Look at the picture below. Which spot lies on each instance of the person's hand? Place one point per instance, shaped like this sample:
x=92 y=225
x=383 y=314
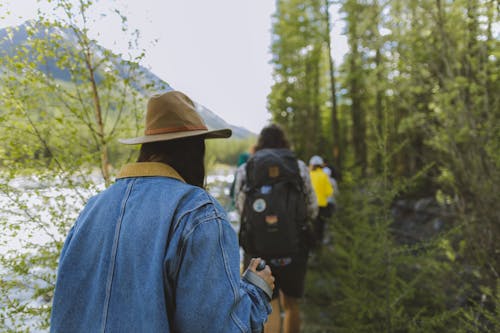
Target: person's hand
x=265 y=273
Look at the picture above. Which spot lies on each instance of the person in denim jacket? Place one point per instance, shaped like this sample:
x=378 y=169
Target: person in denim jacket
x=155 y=252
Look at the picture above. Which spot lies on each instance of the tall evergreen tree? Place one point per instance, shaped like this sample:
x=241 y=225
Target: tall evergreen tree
x=296 y=100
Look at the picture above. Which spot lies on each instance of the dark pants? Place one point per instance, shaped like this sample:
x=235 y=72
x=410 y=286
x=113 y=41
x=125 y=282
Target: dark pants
x=289 y=275
x=324 y=215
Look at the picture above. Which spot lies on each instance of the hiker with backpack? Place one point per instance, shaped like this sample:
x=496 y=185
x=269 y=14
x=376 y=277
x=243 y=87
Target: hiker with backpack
x=155 y=252
x=323 y=189
x=276 y=203
x=333 y=176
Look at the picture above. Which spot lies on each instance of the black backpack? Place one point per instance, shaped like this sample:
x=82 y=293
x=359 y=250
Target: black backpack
x=274 y=213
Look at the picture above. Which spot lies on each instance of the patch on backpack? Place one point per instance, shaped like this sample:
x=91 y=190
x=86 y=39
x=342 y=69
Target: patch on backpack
x=259 y=205
x=273 y=171
x=271 y=219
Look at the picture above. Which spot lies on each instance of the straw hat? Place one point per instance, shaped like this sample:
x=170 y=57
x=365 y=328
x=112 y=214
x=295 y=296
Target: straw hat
x=172 y=115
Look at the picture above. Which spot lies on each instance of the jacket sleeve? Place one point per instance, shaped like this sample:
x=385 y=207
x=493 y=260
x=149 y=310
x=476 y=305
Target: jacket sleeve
x=312 y=201
x=210 y=295
x=328 y=186
x=239 y=194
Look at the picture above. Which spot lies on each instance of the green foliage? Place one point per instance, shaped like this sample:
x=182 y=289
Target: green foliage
x=37 y=211
x=298 y=99
x=366 y=279
x=484 y=314
x=227 y=151
x=417 y=96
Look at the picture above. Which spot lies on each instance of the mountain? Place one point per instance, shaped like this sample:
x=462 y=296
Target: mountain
x=12 y=38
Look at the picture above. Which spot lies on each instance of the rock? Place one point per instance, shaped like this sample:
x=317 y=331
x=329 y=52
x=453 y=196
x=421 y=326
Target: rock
x=419 y=219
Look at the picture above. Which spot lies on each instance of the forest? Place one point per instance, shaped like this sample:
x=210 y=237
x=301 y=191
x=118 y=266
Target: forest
x=410 y=120
x=411 y=113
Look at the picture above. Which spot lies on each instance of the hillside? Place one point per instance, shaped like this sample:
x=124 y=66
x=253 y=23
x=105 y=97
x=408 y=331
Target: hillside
x=12 y=38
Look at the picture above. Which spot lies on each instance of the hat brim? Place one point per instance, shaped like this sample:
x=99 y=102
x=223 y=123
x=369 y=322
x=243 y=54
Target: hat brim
x=213 y=134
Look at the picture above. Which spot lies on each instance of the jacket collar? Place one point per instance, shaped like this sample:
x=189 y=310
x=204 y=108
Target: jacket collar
x=148 y=169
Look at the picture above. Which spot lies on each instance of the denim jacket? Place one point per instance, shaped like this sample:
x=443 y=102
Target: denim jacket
x=154 y=254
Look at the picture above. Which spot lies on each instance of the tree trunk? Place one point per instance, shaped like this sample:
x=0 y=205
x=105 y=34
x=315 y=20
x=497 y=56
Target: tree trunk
x=337 y=148
x=103 y=147
x=378 y=110
x=358 y=121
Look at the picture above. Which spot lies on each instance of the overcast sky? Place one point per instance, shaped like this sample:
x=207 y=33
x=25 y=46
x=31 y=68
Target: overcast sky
x=216 y=51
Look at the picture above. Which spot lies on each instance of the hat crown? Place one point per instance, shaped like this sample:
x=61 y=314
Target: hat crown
x=316 y=160
x=172 y=112
x=172 y=116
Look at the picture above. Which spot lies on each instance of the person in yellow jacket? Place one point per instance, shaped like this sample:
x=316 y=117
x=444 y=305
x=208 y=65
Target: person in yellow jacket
x=323 y=189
